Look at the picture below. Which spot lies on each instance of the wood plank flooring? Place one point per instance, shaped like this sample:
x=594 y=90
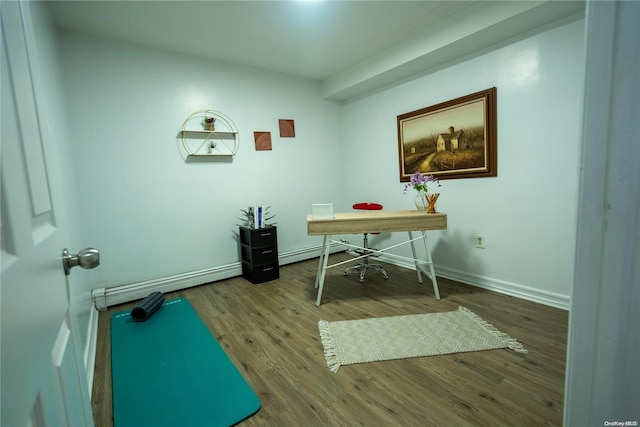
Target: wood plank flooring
x=270 y=332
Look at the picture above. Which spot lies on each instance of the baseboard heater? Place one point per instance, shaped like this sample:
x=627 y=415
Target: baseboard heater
x=109 y=296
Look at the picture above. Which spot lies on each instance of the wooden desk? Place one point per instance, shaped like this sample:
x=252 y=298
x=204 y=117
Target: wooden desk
x=376 y=222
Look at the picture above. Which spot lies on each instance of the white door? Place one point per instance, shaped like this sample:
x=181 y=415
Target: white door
x=42 y=378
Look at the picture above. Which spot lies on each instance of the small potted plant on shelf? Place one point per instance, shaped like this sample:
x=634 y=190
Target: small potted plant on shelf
x=208 y=123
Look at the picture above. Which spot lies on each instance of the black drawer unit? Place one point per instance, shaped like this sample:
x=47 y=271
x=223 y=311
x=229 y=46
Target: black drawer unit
x=259 y=248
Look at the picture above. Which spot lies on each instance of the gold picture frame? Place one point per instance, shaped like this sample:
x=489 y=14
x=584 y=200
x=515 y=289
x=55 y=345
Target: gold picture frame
x=453 y=139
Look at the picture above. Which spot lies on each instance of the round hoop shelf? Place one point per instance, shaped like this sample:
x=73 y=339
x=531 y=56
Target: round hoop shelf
x=198 y=140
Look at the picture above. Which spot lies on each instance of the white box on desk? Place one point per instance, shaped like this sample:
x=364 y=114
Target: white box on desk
x=322 y=211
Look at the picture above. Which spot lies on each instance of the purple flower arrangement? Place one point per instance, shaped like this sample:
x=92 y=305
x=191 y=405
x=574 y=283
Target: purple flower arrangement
x=420 y=182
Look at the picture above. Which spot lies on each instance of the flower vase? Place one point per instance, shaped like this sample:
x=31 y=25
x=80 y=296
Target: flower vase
x=426 y=202
x=421 y=201
x=209 y=126
x=431 y=202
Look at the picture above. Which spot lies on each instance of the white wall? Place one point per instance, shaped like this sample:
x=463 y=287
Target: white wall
x=528 y=212
x=153 y=215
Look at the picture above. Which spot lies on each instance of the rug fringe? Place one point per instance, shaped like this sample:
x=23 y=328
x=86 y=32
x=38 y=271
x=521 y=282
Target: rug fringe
x=329 y=344
x=512 y=343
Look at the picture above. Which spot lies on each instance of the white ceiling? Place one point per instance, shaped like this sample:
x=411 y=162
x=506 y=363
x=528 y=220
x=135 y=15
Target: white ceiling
x=351 y=47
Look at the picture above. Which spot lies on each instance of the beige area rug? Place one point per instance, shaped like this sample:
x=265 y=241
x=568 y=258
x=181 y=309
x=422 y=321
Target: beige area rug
x=399 y=337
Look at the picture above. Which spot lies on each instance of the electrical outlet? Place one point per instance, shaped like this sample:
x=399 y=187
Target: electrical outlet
x=480 y=241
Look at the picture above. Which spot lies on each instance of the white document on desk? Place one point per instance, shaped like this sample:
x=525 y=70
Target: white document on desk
x=322 y=211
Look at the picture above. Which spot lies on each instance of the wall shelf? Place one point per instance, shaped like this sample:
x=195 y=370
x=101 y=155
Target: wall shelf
x=197 y=141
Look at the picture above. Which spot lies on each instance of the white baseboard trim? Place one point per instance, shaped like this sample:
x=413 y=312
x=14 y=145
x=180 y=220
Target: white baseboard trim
x=508 y=288
x=552 y=299
x=106 y=297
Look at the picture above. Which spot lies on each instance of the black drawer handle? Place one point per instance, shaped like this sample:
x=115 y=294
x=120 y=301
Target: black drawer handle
x=267 y=269
x=265 y=234
x=267 y=252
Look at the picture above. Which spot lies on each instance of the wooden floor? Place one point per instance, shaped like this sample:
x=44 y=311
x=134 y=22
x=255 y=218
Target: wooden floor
x=270 y=332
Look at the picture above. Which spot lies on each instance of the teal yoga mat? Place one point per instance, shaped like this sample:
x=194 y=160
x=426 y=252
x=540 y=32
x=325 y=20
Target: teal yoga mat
x=170 y=371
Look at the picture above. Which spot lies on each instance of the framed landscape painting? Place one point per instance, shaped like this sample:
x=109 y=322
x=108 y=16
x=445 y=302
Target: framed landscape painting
x=453 y=139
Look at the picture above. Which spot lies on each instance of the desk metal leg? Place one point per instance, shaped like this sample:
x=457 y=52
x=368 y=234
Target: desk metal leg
x=320 y=260
x=415 y=257
x=431 y=269
x=322 y=268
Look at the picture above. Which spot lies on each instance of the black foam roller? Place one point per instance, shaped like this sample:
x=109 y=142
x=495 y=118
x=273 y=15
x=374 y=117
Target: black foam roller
x=147 y=307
